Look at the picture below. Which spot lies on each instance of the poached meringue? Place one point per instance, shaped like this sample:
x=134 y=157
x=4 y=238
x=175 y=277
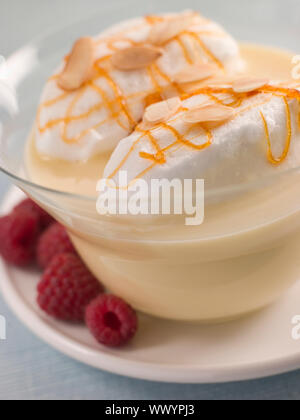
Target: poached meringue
x=246 y=253
x=260 y=133
x=77 y=125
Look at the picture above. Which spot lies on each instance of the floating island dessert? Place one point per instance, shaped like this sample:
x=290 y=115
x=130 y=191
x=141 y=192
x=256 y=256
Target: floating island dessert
x=166 y=95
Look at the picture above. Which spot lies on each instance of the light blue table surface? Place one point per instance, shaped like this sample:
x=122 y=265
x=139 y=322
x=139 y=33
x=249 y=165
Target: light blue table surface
x=29 y=369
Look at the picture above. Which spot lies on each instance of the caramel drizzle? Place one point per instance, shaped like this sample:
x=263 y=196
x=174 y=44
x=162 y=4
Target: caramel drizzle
x=205 y=49
x=186 y=54
x=119 y=106
x=160 y=157
x=280 y=159
x=120 y=100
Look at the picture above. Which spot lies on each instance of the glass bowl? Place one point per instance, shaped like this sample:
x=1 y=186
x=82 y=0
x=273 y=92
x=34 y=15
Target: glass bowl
x=230 y=266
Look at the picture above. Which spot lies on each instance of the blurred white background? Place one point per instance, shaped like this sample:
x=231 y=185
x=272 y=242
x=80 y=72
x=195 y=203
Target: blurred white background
x=274 y=21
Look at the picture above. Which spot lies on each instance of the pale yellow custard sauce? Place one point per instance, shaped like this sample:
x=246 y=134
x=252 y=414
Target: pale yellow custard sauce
x=242 y=258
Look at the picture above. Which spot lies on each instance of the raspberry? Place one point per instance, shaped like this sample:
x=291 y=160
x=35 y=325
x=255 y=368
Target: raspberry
x=53 y=241
x=18 y=236
x=29 y=205
x=111 y=321
x=66 y=288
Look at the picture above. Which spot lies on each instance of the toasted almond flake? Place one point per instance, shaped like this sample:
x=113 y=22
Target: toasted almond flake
x=79 y=65
x=162 y=111
x=191 y=88
x=226 y=98
x=137 y=57
x=249 y=84
x=208 y=113
x=220 y=86
x=166 y=30
x=195 y=73
x=221 y=83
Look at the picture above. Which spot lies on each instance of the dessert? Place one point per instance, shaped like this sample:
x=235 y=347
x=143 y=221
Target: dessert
x=75 y=124
x=256 y=129
x=176 y=97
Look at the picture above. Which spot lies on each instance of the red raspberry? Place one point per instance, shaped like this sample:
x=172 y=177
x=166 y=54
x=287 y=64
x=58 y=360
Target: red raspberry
x=29 y=205
x=53 y=241
x=111 y=321
x=18 y=236
x=66 y=288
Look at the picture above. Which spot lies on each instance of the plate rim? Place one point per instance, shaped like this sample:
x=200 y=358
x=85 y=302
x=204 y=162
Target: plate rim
x=173 y=373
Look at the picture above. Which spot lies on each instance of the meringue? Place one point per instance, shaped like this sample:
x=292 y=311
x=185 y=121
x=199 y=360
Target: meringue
x=77 y=125
x=259 y=135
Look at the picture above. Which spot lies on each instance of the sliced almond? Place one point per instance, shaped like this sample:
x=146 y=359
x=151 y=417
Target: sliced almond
x=162 y=111
x=226 y=98
x=166 y=30
x=208 y=113
x=79 y=65
x=249 y=84
x=166 y=93
x=195 y=73
x=134 y=58
x=191 y=88
x=219 y=86
x=221 y=83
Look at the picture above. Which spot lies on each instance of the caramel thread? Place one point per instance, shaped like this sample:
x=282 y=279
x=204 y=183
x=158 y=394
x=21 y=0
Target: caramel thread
x=181 y=140
x=120 y=98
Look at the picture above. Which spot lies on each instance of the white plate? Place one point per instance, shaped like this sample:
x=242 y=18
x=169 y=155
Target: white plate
x=258 y=346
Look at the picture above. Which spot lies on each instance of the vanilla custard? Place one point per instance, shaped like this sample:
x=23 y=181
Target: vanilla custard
x=81 y=177
x=246 y=253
